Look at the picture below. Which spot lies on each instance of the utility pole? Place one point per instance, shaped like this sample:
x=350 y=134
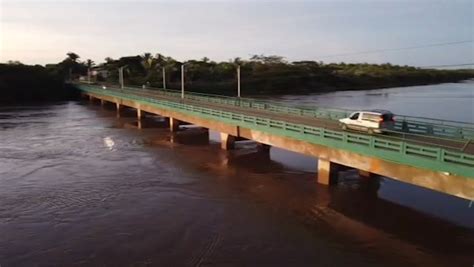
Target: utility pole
x=182 y=81
x=121 y=76
x=238 y=81
x=89 y=75
x=164 y=78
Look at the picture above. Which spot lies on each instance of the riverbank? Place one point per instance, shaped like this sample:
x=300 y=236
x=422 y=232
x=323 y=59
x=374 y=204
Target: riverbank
x=32 y=84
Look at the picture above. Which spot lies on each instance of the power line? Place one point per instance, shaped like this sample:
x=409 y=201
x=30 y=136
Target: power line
x=398 y=49
x=449 y=65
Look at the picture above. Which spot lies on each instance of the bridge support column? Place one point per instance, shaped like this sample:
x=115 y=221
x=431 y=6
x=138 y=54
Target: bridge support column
x=174 y=124
x=227 y=141
x=365 y=174
x=327 y=172
x=263 y=148
x=139 y=114
x=102 y=102
x=117 y=105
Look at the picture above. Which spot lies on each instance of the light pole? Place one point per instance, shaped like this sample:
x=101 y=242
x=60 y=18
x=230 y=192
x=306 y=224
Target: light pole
x=182 y=81
x=120 y=70
x=164 y=78
x=238 y=81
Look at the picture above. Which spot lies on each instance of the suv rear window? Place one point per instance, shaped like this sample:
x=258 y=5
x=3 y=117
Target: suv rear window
x=387 y=117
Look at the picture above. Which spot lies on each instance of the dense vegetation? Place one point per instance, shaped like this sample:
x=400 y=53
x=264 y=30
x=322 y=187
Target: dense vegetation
x=270 y=75
x=260 y=75
x=27 y=83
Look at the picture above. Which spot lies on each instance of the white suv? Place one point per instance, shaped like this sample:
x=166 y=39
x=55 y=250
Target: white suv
x=372 y=121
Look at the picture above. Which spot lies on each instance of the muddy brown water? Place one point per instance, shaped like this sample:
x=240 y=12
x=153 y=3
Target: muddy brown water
x=80 y=186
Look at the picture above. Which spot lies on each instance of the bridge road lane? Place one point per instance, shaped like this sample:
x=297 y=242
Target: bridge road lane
x=433 y=141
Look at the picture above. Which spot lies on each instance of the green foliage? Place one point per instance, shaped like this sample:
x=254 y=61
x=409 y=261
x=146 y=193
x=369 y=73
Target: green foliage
x=260 y=75
x=273 y=74
x=20 y=83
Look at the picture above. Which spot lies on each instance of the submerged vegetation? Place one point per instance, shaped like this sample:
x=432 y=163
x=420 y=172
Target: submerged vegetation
x=259 y=75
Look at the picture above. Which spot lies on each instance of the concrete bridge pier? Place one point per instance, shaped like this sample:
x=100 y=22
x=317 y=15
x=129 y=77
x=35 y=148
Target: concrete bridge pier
x=365 y=174
x=139 y=118
x=227 y=141
x=327 y=171
x=174 y=124
x=139 y=114
x=118 y=107
x=91 y=98
x=264 y=148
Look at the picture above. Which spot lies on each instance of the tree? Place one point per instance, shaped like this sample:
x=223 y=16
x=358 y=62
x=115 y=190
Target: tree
x=90 y=63
x=149 y=64
x=14 y=62
x=73 y=56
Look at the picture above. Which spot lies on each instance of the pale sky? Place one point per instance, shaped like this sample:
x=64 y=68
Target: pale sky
x=39 y=32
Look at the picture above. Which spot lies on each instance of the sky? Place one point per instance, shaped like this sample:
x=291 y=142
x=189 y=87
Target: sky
x=40 y=32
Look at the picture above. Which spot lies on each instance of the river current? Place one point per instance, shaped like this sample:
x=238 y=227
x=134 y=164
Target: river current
x=80 y=186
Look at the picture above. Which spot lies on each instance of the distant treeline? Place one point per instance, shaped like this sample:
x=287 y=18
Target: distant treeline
x=259 y=75
x=32 y=83
x=269 y=75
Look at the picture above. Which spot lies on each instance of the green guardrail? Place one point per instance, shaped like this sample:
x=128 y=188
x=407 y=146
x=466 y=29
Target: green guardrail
x=434 y=158
x=403 y=124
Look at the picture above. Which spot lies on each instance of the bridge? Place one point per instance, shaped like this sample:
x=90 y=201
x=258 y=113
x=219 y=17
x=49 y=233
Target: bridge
x=430 y=153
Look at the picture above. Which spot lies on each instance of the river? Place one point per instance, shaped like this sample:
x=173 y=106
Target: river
x=448 y=101
x=80 y=186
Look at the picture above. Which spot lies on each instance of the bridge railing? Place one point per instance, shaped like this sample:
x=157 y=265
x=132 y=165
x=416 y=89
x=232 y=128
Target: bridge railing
x=403 y=124
x=434 y=158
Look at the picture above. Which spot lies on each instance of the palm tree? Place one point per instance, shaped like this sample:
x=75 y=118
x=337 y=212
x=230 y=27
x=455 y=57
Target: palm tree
x=73 y=56
x=90 y=63
x=149 y=63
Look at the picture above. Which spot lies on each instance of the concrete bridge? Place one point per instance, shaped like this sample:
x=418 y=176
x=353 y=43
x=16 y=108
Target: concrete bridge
x=429 y=153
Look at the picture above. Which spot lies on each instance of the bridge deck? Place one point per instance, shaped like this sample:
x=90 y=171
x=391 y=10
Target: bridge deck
x=455 y=145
